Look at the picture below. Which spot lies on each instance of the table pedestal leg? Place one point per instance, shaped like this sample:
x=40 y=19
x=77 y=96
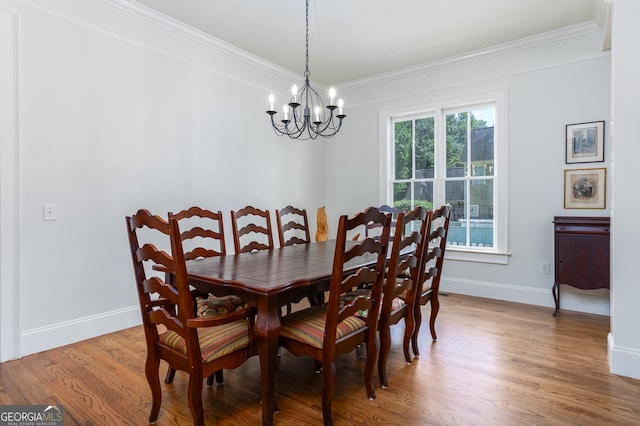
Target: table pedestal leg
x=267 y=331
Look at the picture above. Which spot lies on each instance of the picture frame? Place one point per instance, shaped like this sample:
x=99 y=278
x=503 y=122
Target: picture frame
x=585 y=188
x=585 y=142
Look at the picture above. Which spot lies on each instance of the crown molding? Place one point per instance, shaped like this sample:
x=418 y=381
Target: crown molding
x=498 y=49
x=153 y=16
x=157 y=18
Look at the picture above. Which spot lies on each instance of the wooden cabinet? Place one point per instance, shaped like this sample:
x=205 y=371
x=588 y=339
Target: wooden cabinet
x=581 y=248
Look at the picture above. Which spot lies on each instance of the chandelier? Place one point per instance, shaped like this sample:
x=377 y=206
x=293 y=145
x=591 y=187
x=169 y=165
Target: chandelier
x=305 y=116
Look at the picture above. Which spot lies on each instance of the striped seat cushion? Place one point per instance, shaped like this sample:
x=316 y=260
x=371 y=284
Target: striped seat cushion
x=215 y=342
x=219 y=305
x=307 y=326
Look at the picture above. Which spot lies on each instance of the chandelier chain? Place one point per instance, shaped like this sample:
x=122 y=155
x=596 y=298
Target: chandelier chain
x=306 y=72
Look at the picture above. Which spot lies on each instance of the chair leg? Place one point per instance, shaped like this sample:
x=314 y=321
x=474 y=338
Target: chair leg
x=218 y=377
x=418 y=320
x=385 y=347
x=409 y=326
x=171 y=373
x=317 y=299
x=152 y=369
x=328 y=389
x=372 y=353
x=195 y=399
x=435 y=307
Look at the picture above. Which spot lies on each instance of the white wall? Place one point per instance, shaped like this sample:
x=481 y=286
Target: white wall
x=9 y=220
x=624 y=340
x=115 y=113
x=550 y=81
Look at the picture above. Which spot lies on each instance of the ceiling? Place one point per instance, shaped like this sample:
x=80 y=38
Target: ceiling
x=353 y=39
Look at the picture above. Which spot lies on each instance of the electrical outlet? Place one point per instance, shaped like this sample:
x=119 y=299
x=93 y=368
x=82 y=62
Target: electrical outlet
x=49 y=212
x=544 y=268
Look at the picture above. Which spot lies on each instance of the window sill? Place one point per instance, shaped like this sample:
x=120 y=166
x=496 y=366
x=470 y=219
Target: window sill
x=481 y=256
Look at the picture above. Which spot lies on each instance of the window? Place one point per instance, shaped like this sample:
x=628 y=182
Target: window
x=450 y=154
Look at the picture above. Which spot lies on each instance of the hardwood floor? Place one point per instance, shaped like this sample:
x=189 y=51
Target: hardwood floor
x=495 y=363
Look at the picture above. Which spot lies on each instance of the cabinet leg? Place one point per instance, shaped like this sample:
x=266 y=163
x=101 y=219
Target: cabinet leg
x=555 y=290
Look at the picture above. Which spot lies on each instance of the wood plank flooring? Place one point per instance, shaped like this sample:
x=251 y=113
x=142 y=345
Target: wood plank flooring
x=495 y=363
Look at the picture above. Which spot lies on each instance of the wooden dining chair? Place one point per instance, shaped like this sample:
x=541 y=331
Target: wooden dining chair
x=173 y=332
x=202 y=236
x=325 y=331
x=400 y=289
x=251 y=230
x=293 y=226
x=429 y=284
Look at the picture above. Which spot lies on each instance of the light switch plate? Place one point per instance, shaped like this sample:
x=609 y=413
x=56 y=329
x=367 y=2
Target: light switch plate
x=49 y=212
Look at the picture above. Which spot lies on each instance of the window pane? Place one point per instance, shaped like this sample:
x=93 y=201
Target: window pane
x=455 y=196
x=482 y=152
x=481 y=213
x=402 y=195
x=456 y=132
x=403 y=152
x=423 y=194
x=425 y=154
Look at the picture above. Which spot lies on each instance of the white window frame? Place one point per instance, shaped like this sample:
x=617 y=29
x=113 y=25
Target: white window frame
x=499 y=253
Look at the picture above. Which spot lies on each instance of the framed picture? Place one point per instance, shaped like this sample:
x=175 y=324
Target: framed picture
x=585 y=189
x=585 y=142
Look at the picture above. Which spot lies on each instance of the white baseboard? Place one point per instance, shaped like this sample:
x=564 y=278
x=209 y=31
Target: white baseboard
x=593 y=301
x=61 y=334
x=623 y=361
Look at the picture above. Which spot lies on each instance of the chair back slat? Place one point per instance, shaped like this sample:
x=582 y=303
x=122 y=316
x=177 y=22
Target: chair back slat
x=293 y=226
x=203 y=234
x=162 y=289
x=253 y=222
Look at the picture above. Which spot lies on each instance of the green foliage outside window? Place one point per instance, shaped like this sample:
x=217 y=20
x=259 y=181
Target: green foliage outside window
x=406 y=204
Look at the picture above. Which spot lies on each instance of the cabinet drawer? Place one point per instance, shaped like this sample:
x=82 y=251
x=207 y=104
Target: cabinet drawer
x=582 y=229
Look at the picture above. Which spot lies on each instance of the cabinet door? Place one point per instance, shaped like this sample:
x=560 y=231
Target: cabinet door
x=583 y=260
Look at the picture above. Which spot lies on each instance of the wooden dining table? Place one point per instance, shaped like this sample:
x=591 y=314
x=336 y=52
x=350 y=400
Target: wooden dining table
x=268 y=280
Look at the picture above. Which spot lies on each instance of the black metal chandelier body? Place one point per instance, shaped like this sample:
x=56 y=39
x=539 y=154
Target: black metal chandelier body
x=305 y=116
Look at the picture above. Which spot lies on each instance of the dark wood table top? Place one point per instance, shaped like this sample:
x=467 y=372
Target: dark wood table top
x=269 y=271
